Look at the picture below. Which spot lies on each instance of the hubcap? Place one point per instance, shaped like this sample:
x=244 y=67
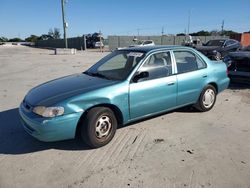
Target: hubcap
x=103 y=127
x=208 y=98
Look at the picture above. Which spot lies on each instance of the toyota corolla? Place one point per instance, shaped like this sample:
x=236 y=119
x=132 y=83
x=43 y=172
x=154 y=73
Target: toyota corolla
x=125 y=86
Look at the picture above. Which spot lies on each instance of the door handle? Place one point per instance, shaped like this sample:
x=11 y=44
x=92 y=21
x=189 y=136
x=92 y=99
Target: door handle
x=171 y=83
x=204 y=76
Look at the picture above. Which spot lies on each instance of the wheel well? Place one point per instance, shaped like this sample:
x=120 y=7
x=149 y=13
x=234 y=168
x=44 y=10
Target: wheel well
x=215 y=86
x=115 y=109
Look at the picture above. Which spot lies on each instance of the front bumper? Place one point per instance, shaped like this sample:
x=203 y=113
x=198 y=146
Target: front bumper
x=49 y=129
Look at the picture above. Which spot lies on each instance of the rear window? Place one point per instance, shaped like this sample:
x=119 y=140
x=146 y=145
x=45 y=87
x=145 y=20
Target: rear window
x=215 y=43
x=148 y=42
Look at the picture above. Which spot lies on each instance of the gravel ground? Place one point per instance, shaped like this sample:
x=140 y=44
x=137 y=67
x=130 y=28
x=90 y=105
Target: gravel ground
x=183 y=148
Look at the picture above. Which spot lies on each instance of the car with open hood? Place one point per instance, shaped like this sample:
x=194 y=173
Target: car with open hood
x=125 y=86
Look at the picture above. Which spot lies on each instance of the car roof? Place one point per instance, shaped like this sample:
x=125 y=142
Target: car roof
x=146 y=40
x=146 y=49
x=219 y=39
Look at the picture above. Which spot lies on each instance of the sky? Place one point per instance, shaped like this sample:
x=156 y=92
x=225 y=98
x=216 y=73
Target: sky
x=21 y=18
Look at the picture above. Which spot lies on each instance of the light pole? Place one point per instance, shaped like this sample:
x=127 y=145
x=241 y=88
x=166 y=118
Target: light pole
x=222 y=27
x=65 y=25
x=189 y=13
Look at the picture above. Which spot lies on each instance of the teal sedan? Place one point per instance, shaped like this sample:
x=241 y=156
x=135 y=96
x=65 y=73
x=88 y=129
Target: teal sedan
x=125 y=86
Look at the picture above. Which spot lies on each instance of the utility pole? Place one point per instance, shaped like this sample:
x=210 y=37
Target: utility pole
x=138 y=32
x=189 y=13
x=101 y=43
x=162 y=31
x=65 y=25
x=222 y=27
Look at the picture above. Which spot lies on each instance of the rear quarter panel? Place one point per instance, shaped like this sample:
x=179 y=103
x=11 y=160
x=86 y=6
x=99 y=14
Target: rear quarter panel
x=218 y=74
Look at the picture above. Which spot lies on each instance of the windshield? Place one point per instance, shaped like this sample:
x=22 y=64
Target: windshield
x=117 y=65
x=147 y=42
x=215 y=43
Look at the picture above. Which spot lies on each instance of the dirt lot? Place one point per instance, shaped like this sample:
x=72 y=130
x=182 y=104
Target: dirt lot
x=179 y=149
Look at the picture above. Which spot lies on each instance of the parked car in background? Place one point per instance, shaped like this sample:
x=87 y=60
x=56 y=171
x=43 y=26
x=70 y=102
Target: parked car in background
x=144 y=43
x=189 y=41
x=239 y=65
x=93 y=40
x=193 y=44
x=219 y=48
x=99 y=44
x=123 y=87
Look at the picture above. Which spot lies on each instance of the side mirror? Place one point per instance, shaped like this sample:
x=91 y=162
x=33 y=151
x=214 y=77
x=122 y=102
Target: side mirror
x=141 y=75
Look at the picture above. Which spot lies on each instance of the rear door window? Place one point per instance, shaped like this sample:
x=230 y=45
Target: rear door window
x=187 y=61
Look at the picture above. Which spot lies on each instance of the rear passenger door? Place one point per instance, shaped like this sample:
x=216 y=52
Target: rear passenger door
x=191 y=76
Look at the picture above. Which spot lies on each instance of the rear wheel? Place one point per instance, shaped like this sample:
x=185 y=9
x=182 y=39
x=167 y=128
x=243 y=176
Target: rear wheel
x=98 y=127
x=207 y=99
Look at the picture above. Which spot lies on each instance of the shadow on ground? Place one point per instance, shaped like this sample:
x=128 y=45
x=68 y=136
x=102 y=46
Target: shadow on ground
x=14 y=140
x=241 y=86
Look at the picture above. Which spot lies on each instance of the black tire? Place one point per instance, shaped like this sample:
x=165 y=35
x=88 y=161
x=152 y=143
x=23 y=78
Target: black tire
x=201 y=104
x=98 y=118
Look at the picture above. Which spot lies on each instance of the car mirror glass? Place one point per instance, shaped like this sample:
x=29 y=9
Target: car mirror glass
x=140 y=75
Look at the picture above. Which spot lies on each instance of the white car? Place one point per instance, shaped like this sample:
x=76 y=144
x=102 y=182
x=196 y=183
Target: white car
x=144 y=43
x=99 y=44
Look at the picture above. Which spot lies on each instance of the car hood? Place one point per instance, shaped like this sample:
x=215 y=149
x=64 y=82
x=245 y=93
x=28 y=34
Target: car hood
x=240 y=55
x=57 y=90
x=207 y=48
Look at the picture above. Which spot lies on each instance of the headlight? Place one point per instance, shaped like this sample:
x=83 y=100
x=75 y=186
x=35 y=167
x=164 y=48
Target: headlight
x=48 y=111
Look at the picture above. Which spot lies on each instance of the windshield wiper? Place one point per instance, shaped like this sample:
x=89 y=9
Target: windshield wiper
x=97 y=74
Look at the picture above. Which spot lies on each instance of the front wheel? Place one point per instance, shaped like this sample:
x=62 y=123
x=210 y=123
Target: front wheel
x=98 y=127
x=207 y=99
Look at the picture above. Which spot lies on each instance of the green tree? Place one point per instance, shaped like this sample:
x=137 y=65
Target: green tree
x=45 y=37
x=32 y=38
x=55 y=34
x=201 y=33
x=15 y=40
x=180 y=34
x=229 y=32
x=3 y=39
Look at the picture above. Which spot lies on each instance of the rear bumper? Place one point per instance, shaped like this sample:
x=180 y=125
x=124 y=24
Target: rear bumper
x=49 y=129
